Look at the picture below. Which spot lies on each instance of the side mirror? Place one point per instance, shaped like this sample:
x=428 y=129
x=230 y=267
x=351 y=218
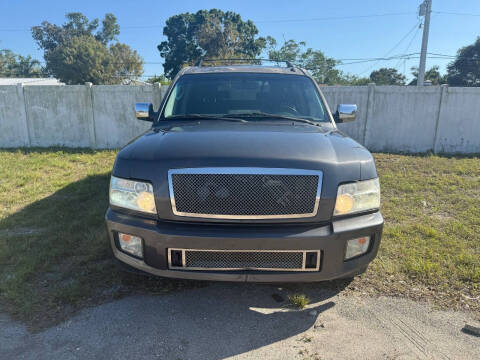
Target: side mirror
x=144 y=111
x=345 y=113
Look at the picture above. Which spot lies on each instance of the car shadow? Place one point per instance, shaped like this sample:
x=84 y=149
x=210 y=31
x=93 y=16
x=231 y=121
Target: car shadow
x=62 y=239
x=213 y=322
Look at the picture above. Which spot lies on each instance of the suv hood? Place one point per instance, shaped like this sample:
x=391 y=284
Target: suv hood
x=255 y=145
x=150 y=156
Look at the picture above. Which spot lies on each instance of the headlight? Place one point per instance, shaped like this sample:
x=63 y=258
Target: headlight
x=358 y=196
x=134 y=195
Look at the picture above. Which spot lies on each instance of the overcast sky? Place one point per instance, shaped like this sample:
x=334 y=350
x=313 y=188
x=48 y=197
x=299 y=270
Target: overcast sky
x=388 y=28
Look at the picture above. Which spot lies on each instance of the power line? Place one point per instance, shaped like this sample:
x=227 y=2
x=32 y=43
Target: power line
x=335 y=17
x=394 y=47
x=351 y=61
x=329 y=18
x=453 y=13
x=395 y=57
x=407 y=48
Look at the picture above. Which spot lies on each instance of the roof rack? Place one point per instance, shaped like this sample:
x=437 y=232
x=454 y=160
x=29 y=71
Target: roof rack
x=287 y=62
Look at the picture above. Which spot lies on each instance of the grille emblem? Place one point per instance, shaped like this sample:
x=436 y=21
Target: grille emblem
x=220 y=192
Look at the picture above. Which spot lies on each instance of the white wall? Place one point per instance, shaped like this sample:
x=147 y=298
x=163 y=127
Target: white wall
x=459 y=121
x=412 y=119
x=114 y=114
x=13 y=119
x=390 y=118
x=350 y=95
x=59 y=115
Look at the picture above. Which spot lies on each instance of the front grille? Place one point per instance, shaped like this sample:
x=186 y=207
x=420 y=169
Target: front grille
x=228 y=260
x=244 y=193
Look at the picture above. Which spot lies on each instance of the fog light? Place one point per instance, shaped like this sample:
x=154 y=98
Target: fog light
x=356 y=247
x=131 y=244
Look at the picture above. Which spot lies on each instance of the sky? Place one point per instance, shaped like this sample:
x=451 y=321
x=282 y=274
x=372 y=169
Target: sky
x=342 y=29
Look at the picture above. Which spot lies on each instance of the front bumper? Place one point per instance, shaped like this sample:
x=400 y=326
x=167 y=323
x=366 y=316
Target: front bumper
x=329 y=239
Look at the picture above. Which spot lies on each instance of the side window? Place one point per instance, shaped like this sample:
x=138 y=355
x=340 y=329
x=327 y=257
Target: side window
x=176 y=100
x=171 y=101
x=315 y=103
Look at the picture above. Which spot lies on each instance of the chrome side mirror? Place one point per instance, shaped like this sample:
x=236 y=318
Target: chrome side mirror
x=144 y=111
x=345 y=113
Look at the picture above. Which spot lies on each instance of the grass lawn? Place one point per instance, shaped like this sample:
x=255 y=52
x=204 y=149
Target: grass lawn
x=55 y=257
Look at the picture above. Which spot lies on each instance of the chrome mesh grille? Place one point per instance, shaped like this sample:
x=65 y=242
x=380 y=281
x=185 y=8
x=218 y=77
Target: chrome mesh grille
x=243 y=260
x=244 y=195
x=274 y=260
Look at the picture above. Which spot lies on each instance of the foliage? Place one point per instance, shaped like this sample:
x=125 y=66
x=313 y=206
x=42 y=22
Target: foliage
x=127 y=63
x=298 y=301
x=432 y=75
x=387 y=76
x=348 y=79
x=321 y=67
x=14 y=65
x=211 y=34
x=158 y=79
x=77 y=51
x=465 y=69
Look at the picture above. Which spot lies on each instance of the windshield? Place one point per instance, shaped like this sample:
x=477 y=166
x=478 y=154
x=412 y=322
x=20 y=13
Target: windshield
x=245 y=94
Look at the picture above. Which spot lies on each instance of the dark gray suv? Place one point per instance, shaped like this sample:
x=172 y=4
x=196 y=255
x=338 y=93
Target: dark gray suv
x=245 y=177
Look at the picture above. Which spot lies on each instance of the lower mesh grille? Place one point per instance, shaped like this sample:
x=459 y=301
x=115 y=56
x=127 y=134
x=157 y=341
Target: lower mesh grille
x=273 y=260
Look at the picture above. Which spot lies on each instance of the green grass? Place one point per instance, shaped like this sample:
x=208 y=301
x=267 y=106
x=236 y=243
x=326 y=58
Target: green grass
x=298 y=301
x=55 y=257
x=54 y=253
x=431 y=239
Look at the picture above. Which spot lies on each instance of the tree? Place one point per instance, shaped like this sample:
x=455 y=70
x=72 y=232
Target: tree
x=127 y=63
x=78 y=51
x=465 y=69
x=158 y=79
x=348 y=79
x=387 y=76
x=432 y=75
x=211 y=34
x=321 y=67
x=14 y=65
x=82 y=59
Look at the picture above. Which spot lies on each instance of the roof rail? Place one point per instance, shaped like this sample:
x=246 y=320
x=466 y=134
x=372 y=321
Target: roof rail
x=201 y=61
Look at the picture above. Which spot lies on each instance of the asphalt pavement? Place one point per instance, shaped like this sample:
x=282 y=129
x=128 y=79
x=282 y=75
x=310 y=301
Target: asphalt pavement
x=244 y=321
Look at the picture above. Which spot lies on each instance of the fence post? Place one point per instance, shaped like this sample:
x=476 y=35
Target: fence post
x=443 y=90
x=157 y=97
x=91 y=120
x=21 y=93
x=369 y=111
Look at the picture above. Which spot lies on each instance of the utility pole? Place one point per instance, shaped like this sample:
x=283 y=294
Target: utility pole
x=424 y=10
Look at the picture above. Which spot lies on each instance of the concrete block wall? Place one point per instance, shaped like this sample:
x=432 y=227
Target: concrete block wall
x=13 y=118
x=114 y=113
x=458 y=129
x=74 y=115
x=350 y=95
x=412 y=119
x=390 y=118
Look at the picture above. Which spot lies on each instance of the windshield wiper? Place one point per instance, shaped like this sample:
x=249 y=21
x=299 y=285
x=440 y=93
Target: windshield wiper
x=203 y=117
x=258 y=114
